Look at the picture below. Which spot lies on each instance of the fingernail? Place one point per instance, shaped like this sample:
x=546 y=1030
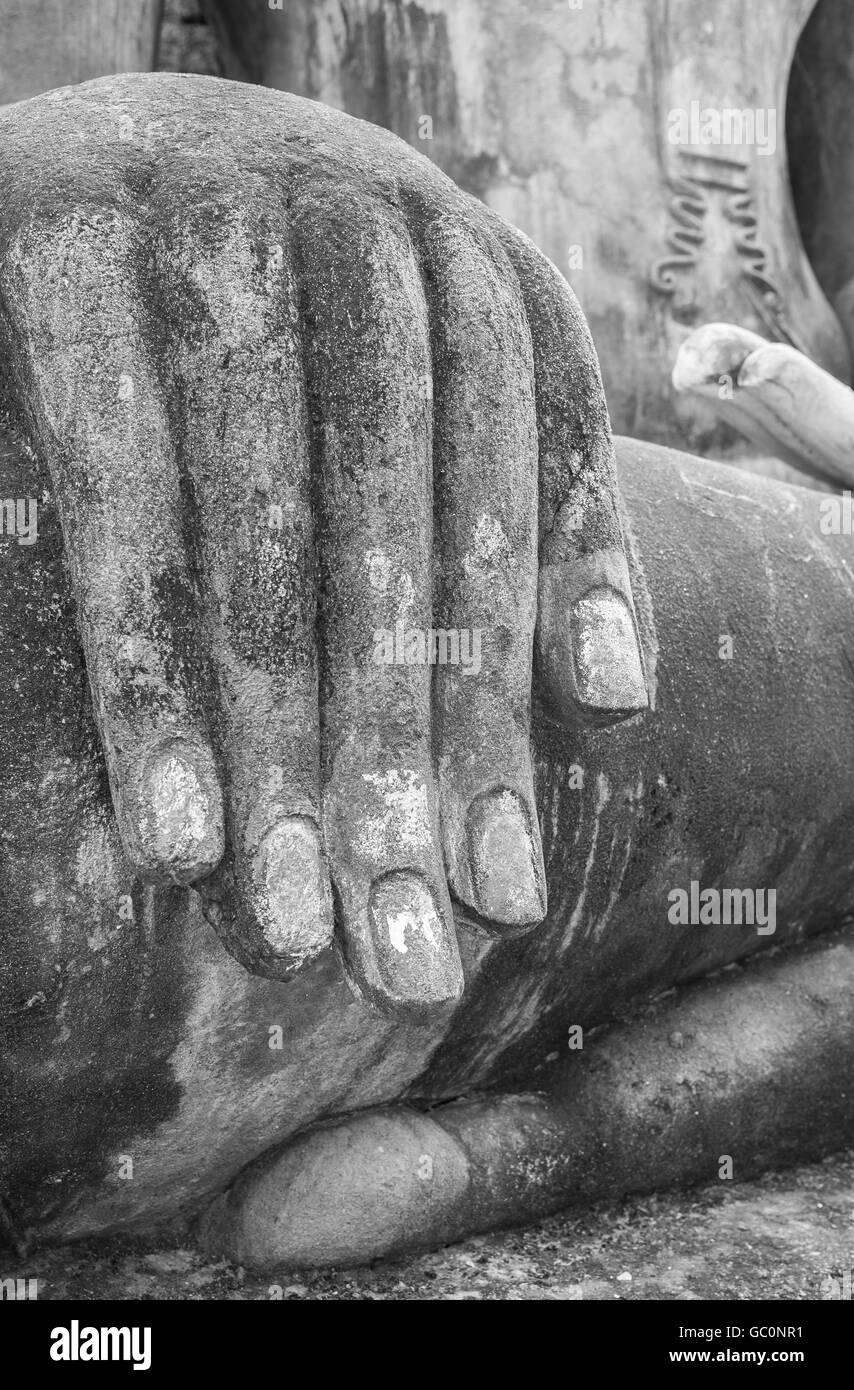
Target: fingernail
x=293 y=897
x=410 y=962
x=180 y=822
x=506 y=861
x=609 y=672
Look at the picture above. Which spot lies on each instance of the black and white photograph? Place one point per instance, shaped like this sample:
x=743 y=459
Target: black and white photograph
x=427 y=679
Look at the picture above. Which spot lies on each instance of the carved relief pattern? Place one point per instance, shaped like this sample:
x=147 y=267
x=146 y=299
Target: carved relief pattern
x=688 y=208
x=701 y=176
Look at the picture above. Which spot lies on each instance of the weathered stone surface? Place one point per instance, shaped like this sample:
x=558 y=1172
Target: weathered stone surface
x=527 y=105
x=250 y=340
x=144 y=1065
x=561 y=119
x=159 y=1042
x=48 y=43
x=344 y=1194
x=715 y=1083
x=776 y=397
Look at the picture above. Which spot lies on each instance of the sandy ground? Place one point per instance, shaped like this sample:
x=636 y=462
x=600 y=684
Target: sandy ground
x=788 y=1236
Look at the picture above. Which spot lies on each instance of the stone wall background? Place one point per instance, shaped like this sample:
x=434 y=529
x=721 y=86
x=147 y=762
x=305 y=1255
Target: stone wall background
x=187 y=41
x=557 y=120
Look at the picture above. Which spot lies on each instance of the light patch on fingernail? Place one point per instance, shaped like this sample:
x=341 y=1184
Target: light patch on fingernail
x=180 y=814
x=295 y=906
x=179 y=804
x=505 y=860
x=409 y=956
x=421 y=921
x=397 y=922
x=606 y=654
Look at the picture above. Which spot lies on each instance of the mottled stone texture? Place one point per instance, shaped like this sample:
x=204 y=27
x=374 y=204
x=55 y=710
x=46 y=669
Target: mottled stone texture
x=187 y=42
x=560 y=118
x=776 y=397
x=48 y=43
x=282 y=385
x=710 y=1084
x=234 y=333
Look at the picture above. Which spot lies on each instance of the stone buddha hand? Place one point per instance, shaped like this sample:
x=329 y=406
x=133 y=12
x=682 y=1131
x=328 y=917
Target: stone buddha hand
x=297 y=412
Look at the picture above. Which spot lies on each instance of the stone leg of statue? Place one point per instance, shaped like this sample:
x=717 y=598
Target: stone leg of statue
x=690 y=1089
